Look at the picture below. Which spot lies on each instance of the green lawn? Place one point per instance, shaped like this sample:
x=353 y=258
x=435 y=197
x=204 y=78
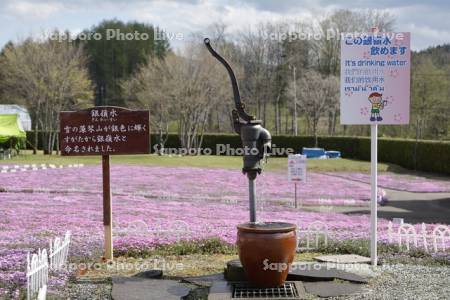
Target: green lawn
x=274 y=164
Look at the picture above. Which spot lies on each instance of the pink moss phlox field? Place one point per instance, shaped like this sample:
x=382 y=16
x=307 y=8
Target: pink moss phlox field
x=188 y=183
x=154 y=206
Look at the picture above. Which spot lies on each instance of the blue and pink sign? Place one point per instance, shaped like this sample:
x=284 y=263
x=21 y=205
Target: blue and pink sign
x=375 y=78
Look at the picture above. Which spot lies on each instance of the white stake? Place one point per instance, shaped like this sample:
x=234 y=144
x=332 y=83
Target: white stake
x=373 y=193
x=295 y=194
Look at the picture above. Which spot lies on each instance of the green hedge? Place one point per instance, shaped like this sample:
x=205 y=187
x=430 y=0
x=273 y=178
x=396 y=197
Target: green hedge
x=429 y=156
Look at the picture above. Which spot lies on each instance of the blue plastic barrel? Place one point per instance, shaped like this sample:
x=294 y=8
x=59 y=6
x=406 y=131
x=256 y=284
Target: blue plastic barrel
x=333 y=154
x=313 y=152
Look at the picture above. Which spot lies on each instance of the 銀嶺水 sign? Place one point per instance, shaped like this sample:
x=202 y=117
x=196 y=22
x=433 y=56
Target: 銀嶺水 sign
x=375 y=78
x=104 y=130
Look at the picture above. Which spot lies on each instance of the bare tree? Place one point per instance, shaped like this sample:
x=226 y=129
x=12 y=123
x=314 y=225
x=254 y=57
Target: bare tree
x=181 y=88
x=383 y=20
x=143 y=91
x=49 y=76
x=326 y=50
x=332 y=106
x=199 y=87
x=315 y=95
x=254 y=47
x=296 y=61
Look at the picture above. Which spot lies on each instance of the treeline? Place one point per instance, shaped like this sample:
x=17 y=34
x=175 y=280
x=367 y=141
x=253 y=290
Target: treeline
x=289 y=78
x=59 y=71
x=288 y=74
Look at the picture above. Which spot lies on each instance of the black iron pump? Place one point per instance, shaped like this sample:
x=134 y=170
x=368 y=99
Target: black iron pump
x=256 y=140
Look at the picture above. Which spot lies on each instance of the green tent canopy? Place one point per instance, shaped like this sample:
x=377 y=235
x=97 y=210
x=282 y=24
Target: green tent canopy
x=10 y=127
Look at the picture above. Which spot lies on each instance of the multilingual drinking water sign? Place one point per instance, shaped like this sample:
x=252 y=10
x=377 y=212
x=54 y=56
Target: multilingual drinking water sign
x=375 y=78
x=104 y=130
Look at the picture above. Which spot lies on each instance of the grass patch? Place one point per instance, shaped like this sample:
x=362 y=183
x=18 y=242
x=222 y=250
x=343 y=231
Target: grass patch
x=206 y=246
x=204 y=161
x=195 y=258
x=210 y=257
x=388 y=253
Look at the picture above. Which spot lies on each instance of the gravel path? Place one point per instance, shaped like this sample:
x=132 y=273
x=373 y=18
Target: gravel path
x=409 y=282
x=89 y=290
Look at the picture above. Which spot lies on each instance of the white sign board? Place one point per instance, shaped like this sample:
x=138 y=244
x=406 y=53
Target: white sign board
x=375 y=78
x=297 y=168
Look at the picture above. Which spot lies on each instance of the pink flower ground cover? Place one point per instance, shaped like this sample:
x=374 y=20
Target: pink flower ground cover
x=400 y=182
x=29 y=220
x=190 y=183
x=164 y=204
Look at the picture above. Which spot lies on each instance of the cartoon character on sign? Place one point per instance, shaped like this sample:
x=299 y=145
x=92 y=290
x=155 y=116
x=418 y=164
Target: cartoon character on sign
x=378 y=104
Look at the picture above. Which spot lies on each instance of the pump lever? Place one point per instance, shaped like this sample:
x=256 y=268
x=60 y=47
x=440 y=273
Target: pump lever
x=237 y=97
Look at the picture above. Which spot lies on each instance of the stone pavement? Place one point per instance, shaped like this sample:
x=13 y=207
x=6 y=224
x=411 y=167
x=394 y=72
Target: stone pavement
x=318 y=279
x=136 y=288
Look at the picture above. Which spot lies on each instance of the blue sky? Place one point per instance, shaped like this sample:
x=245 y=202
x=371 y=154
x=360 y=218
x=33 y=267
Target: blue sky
x=429 y=21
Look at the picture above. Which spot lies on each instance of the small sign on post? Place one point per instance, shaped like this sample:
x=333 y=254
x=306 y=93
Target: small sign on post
x=296 y=171
x=105 y=131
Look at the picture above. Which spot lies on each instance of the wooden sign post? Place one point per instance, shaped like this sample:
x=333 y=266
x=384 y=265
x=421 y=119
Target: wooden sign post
x=105 y=131
x=107 y=210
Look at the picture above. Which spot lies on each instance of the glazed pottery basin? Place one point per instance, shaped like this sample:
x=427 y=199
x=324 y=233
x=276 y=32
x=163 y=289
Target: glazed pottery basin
x=266 y=251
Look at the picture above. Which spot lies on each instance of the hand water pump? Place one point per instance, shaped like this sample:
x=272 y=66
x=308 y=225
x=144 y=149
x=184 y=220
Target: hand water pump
x=256 y=140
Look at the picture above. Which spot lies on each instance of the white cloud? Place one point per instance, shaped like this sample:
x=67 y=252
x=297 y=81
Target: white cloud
x=428 y=22
x=28 y=9
x=187 y=18
x=429 y=25
x=425 y=36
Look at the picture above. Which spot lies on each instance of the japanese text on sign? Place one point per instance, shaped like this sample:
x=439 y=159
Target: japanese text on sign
x=375 y=78
x=104 y=131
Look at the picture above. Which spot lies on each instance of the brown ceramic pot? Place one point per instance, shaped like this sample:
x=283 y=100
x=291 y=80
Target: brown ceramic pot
x=266 y=251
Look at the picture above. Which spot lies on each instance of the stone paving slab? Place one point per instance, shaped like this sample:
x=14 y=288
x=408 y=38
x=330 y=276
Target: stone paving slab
x=206 y=280
x=332 y=289
x=135 y=288
x=364 y=270
x=150 y=274
x=234 y=271
x=343 y=259
x=300 y=271
x=220 y=290
x=321 y=272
